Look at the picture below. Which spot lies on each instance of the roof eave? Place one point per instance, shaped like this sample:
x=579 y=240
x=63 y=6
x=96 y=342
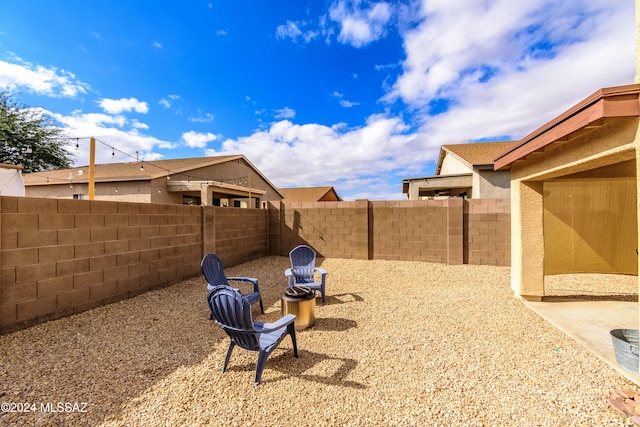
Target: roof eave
x=619 y=101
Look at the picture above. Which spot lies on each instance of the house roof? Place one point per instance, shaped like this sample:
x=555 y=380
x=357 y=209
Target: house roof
x=136 y=171
x=8 y=166
x=476 y=154
x=308 y=194
x=619 y=101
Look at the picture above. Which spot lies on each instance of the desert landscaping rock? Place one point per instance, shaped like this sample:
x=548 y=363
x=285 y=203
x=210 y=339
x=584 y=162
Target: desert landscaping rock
x=398 y=343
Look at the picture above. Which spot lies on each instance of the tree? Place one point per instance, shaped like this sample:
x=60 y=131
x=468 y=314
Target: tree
x=29 y=138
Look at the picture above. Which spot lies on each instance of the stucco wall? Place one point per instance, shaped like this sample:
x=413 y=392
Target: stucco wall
x=609 y=144
x=451 y=166
x=491 y=185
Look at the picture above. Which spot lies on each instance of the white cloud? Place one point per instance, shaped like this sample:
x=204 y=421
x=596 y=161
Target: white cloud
x=321 y=154
x=285 y=113
x=139 y=125
x=294 y=31
x=507 y=69
x=197 y=140
x=156 y=45
x=348 y=104
x=477 y=42
x=206 y=118
x=360 y=25
x=343 y=102
x=38 y=79
x=166 y=102
x=117 y=106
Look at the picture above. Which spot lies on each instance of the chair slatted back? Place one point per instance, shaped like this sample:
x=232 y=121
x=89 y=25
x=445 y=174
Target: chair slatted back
x=303 y=262
x=233 y=313
x=213 y=271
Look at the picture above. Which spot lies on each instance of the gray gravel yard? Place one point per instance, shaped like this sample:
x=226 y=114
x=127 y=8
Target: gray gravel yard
x=398 y=343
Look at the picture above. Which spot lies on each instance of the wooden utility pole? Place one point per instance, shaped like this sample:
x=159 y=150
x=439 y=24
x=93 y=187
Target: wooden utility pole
x=92 y=168
x=249 y=182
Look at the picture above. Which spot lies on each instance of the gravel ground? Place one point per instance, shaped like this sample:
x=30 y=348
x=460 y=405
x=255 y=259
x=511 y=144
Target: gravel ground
x=398 y=343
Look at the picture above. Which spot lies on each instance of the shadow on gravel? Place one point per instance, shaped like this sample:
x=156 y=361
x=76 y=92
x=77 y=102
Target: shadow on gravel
x=316 y=367
x=334 y=324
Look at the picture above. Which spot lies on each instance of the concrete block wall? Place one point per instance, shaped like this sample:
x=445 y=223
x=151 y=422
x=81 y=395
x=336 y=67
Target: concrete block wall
x=450 y=231
x=329 y=227
x=236 y=235
x=488 y=232
x=61 y=257
x=410 y=230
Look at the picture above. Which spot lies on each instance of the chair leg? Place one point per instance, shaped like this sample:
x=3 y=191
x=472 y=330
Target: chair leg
x=291 y=330
x=226 y=359
x=261 y=307
x=262 y=361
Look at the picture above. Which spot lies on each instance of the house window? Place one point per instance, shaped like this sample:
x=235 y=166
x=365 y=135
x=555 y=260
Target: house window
x=79 y=197
x=191 y=200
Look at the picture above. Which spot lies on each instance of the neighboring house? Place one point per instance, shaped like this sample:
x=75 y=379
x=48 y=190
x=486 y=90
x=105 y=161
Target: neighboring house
x=227 y=181
x=310 y=194
x=11 y=182
x=463 y=170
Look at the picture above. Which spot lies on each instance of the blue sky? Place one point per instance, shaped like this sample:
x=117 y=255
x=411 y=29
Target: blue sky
x=354 y=94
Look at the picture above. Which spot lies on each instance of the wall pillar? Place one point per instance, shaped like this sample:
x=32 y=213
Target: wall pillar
x=414 y=189
x=527 y=240
x=205 y=196
x=455 y=238
x=362 y=229
x=208 y=229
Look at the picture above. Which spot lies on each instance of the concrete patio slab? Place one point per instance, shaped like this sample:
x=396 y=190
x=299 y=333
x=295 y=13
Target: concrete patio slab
x=589 y=323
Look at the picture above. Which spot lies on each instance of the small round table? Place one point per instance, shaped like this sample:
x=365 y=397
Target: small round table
x=304 y=308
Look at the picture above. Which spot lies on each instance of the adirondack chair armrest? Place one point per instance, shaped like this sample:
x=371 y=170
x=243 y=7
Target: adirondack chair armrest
x=279 y=324
x=252 y=280
x=323 y=273
x=289 y=275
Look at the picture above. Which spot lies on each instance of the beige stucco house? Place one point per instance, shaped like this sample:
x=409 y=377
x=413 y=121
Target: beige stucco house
x=574 y=192
x=463 y=170
x=227 y=181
